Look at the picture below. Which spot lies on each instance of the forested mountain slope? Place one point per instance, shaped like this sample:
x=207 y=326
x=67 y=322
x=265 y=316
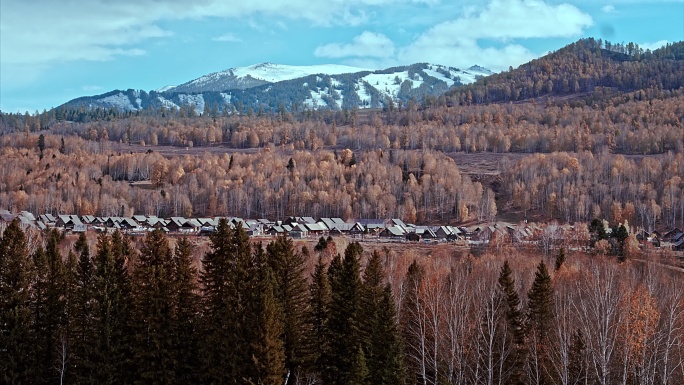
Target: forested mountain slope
x=581 y=68
x=271 y=87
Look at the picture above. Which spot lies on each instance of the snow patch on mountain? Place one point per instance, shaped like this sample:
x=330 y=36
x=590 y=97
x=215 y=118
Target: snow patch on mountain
x=438 y=75
x=120 y=101
x=166 y=103
x=388 y=83
x=165 y=88
x=273 y=73
x=362 y=91
x=193 y=100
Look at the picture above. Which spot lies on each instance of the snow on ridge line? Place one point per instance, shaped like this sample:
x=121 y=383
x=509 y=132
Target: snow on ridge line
x=165 y=88
x=277 y=72
x=120 y=101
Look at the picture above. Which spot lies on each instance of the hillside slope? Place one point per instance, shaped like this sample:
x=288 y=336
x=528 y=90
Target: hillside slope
x=579 y=69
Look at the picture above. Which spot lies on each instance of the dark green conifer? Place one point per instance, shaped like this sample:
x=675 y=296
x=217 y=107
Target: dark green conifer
x=185 y=328
x=49 y=308
x=153 y=311
x=111 y=358
x=514 y=318
x=16 y=337
x=316 y=337
x=288 y=267
x=83 y=328
x=344 y=326
x=540 y=319
x=379 y=324
x=229 y=280
x=410 y=309
x=540 y=302
x=358 y=374
x=268 y=354
x=560 y=259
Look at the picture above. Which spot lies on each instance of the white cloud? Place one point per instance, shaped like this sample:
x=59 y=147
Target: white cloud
x=459 y=42
x=228 y=37
x=608 y=9
x=38 y=34
x=508 y=19
x=653 y=46
x=367 y=44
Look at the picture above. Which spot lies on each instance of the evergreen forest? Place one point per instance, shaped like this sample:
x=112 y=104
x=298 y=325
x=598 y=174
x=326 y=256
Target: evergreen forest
x=155 y=311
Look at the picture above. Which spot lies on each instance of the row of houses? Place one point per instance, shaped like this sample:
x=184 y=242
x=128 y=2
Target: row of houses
x=305 y=227
x=296 y=227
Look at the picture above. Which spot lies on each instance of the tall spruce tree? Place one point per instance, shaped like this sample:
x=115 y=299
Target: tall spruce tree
x=344 y=323
x=16 y=337
x=560 y=259
x=185 y=327
x=230 y=289
x=287 y=267
x=268 y=348
x=218 y=305
x=83 y=327
x=409 y=322
x=49 y=308
x=540 y=302
x=383 y=355
x=67 y=354
x=153 y=311
x=514 y=362
x=539 y=321
x=316 y=342
x=111 y=356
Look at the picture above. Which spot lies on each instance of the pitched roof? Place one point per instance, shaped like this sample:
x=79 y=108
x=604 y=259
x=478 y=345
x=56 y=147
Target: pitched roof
x=315 y=227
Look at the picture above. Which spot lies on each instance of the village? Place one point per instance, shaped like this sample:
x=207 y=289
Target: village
x=544 y=235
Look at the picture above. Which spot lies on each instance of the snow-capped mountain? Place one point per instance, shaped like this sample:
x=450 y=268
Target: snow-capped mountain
x=273 y=86
x=258 y=74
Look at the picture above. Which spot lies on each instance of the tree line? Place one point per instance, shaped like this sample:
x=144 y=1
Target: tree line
x=243 y=313
x=647 y=121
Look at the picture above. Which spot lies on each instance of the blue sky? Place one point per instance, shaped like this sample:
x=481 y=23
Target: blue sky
x=53 y=51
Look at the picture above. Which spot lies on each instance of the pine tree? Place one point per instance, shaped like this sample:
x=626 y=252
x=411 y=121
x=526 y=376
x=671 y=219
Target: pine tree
x=597 y=231
x=513 y=364
x=218 y=308
x=291 y=293
x=316 y=337
x=49 y=307
x=16 y=338
x=358 y=374
x=539 y=320
x=82 y=331
x=268 y=346
x=379 y=325
x=560 y=259
x=387 y=365
x=230 y=289
x=185 y=327
x=111 y=357
x=345 y=334
x=540 y=302
x=153 y=311
x=67 y=354
x=409 y=322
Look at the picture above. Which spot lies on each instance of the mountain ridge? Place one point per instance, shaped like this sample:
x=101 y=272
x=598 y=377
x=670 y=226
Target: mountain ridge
x=268 y=86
